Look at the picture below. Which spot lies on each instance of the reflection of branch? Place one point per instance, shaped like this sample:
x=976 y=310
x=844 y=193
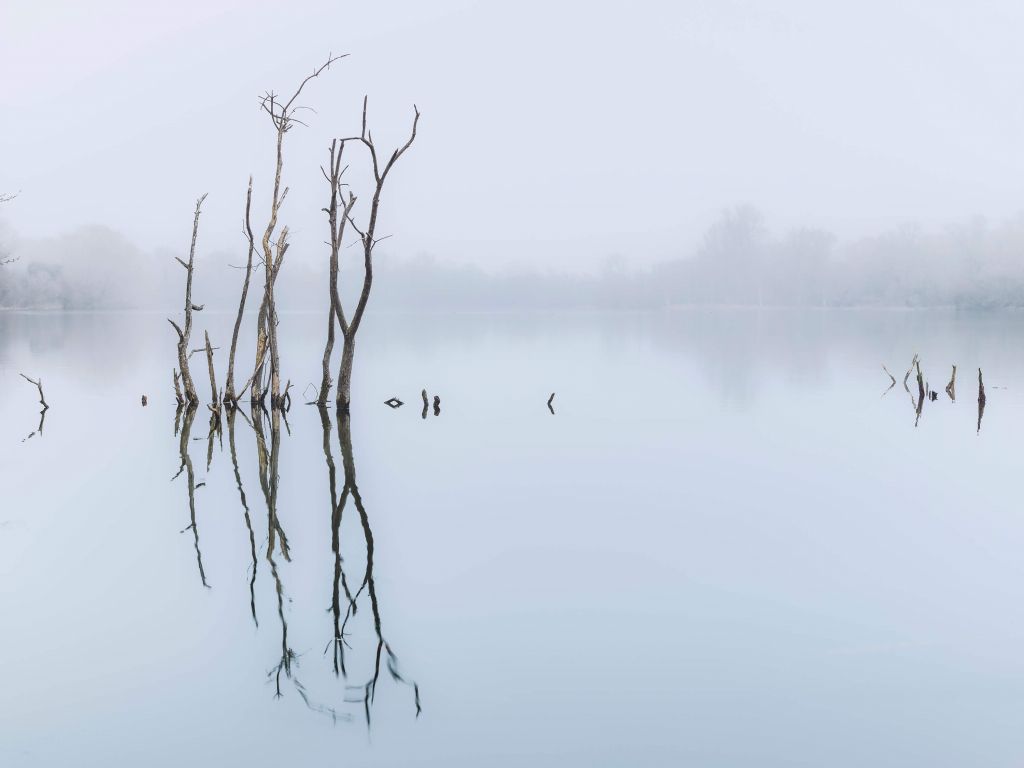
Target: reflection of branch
x=245 y=506
x=276 y=539
x=351 y=490
x=186 y=466
x=337 y=643
x=893 y=378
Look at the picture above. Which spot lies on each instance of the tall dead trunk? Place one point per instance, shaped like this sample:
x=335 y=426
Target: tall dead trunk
x=229 y=386
x=184 y=333
x=368 y=238
x=348 y=352
x=282 y=115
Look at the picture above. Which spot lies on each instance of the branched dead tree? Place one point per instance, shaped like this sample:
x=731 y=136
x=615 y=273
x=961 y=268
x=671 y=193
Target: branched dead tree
x=230 y=398
x=184 y=333
x=283 y=117
x=368 y=238
x=337 y=226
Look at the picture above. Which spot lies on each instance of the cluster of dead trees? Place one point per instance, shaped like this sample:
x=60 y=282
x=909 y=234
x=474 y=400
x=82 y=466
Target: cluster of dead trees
x=268 y=252
x=925 y=392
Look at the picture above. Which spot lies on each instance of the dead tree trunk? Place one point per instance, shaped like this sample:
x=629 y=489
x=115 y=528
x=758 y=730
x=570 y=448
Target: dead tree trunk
x=282 y=115
x=184 y=333
x=337 y=226
x=214 y=399
x=230 y=398
x=369 y=240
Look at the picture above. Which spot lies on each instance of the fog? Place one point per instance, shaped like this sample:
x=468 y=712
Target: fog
x=571 y=154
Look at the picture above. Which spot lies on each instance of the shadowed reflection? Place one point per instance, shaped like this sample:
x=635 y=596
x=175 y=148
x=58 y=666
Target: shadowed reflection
x=231 y=413
x=186 y=416
x=367 y=691
x=347 y=600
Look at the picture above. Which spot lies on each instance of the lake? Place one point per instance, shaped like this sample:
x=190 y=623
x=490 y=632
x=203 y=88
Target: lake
x=729 y=545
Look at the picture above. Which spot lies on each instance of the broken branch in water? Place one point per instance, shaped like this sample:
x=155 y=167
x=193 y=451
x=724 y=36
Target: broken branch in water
x=910 y=370
x=551 y=400
x=951 y=387
x=39 y=385
x=981 y=399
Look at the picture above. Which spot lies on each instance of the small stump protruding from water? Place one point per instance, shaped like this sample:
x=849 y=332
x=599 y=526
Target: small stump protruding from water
x=145 y=401
x=437 y=405
x=393 y=402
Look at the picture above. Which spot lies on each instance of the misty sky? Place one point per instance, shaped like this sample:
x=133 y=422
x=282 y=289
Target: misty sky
x=553 y=134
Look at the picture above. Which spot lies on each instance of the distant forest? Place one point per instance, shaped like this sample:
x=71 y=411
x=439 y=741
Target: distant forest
x=739 y=261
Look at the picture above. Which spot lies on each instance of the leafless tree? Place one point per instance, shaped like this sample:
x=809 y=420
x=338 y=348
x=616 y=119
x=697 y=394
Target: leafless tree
x=337 y=226
x=368 y=240
x=283 y=117
x=230 y=397
x=191 y=397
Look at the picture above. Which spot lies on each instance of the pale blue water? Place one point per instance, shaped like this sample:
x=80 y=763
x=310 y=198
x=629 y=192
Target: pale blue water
x=725 y=548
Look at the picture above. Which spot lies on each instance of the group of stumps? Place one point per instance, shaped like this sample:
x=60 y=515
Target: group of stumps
x=394 y=402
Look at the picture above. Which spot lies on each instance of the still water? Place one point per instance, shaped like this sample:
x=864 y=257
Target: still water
x=727 y=546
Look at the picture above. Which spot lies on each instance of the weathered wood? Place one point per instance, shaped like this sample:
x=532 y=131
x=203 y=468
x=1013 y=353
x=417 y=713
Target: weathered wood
x=214 y=400
x=230 y=395
x=39 y=385
x=951 y=387
x=184 y=333
x=368 y=239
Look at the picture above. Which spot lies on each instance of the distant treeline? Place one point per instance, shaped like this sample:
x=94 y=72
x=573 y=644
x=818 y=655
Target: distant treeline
x=738 y=262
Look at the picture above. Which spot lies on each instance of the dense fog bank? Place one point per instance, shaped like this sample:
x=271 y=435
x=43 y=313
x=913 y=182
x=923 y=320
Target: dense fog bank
x=739 y=261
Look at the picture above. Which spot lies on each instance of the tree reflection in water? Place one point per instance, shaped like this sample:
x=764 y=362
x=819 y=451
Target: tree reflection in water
x=345 y=603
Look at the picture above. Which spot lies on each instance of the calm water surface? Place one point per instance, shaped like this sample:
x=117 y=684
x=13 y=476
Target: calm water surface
x=725 y=548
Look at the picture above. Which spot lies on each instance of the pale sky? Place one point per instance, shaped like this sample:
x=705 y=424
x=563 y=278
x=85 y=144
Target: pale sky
x=553 y=134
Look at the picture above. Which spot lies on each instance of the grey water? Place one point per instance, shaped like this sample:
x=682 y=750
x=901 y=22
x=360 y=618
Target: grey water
x=729 y=545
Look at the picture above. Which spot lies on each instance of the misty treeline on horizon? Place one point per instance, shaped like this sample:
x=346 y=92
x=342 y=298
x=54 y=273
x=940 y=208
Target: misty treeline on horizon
x=739 y=261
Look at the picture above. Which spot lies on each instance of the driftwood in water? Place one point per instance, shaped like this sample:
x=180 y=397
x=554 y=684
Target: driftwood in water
x=437 y=405
x=552 y=399
x=981 y=399
x=230 y=397
x=42 y=401
x=951 y=387
x=910 y=370
x=39 y=385
x=184 y=333
x=393 y=402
